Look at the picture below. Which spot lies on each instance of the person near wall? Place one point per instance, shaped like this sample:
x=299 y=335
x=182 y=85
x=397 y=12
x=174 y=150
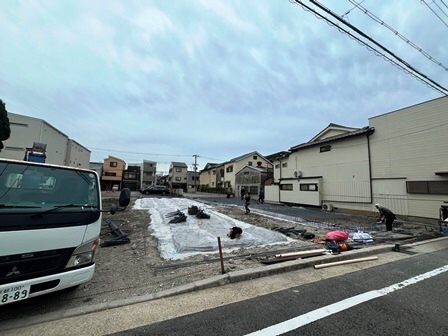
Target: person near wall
x=261 y=196
x=386 y=216
x=247 y=202
x=243 y=193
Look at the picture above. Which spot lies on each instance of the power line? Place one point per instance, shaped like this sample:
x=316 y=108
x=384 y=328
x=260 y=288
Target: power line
x=444 y=4
x=381 y=22
x=432 y=10
x=440 y=8
x=138 y=153
x=347 y=12
x=395 y=60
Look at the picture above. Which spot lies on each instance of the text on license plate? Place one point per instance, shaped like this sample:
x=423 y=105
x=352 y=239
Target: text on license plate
x=14 y=293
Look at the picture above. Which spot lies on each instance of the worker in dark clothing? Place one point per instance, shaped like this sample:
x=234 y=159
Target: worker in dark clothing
x=243 y=193
x=247 y=202
x=386 y=216
x=261 y=197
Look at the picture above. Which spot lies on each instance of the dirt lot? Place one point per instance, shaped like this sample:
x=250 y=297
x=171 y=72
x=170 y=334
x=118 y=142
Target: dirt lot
x=136 y=268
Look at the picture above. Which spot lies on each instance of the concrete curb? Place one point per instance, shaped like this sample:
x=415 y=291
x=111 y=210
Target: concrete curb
x=215 y=281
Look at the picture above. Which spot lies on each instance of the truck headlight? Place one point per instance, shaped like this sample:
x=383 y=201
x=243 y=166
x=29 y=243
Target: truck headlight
x=83 y=254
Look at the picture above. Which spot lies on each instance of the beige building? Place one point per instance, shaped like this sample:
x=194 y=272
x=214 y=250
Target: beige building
x=231 y=167
x=112 y=177
x=60 y=149
x=400 y=161
x=178 y=175
x=208 y=177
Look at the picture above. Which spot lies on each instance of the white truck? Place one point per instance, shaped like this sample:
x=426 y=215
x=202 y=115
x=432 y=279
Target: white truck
x=50 y=220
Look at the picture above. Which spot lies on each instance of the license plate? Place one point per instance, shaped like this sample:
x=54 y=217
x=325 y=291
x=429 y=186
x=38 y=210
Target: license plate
x=14 y=293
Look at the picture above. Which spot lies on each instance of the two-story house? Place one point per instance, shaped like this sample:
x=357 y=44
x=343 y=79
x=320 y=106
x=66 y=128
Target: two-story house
x=112 y=177
x=209 y=177
x=178 y=175
x=231 y=167
x=131 y=177
x=148 y=174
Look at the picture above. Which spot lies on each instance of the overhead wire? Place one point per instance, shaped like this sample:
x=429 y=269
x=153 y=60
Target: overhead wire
x=443 y=2
x=398 y=62
x=381 y=22
x=434 y=12
x=440 y=8
x=348 y=12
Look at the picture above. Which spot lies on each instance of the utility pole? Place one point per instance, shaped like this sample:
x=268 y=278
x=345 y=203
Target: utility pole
x=195 y=168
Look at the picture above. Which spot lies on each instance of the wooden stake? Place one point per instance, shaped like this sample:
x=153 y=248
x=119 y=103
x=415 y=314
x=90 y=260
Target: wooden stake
x=344 y=262
x=220 y=256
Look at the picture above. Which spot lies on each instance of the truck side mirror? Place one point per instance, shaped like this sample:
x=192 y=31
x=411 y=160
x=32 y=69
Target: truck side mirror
x=125 y=197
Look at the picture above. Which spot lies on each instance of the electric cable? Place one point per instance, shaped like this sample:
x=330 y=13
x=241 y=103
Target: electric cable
x=434 y=12
x=421 y=77
x=381 y=22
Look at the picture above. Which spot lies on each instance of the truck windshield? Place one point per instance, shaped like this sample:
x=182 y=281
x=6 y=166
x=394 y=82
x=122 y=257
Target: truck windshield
x=26 y=188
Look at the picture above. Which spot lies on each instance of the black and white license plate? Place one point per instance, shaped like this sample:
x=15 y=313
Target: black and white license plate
x=14 y=293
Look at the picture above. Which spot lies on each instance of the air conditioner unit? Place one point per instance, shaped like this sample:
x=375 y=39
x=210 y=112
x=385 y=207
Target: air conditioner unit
x=298 y=173
x=327 y=206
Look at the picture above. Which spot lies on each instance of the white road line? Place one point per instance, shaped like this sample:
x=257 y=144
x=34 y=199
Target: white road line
x=334 y=308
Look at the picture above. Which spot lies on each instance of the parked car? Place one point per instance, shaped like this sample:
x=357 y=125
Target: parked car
x=156 y=190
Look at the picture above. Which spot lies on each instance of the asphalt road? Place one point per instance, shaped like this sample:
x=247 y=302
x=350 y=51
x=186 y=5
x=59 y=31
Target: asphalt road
x=418 y=308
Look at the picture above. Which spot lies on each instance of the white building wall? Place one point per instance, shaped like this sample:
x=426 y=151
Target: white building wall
x=411 y=145
x=27 y=130
x=271 y=193
x=344 y=169
x=77 y=155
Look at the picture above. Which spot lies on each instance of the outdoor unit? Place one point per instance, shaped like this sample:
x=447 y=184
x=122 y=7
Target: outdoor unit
x=327 y=206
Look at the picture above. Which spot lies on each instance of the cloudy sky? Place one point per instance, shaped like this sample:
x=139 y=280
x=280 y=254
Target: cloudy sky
x=163 y=80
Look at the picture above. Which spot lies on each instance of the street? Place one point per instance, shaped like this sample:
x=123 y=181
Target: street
x=367 y=298
x=418 y=309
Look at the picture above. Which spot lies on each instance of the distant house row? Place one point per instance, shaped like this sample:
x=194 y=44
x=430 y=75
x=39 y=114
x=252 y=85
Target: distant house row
x=115 y=174
x=400 y=160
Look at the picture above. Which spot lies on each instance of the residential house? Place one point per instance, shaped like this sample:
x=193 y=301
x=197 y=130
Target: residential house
x=131 y=177
x=192 y=181
x=178 y=175
x=208 y=177
x=399 y=160
x=112 y=177
x=148 y=174
x=60 y=149
x=251 y=179
x=231 y=167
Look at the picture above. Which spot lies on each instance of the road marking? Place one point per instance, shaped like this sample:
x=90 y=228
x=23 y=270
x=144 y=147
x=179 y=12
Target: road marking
x=337 y=307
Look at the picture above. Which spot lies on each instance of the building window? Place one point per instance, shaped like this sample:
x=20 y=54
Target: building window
x=178 y=179
x=286 y=187
x=250 y=163
x=110 y=174
x=427 y=187
x=113 y=164
x=255 y=157
x=285 y=164
x=214 y=172
x=178 y=170
x=326 y=148
x=277 y=165
x=308 y=187
x=229 y=169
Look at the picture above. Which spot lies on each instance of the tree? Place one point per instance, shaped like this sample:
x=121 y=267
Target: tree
x=5 y=130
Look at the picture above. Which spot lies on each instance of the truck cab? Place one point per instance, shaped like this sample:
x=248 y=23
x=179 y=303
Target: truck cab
x=50 y=220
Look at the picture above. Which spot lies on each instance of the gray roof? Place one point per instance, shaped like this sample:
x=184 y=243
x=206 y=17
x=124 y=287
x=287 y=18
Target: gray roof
x=357 y=132
x=179 y=164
